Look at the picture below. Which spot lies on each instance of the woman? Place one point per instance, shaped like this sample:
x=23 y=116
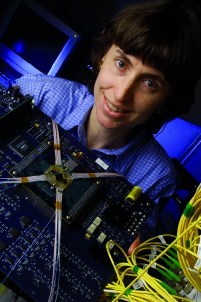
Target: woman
x=146 y=63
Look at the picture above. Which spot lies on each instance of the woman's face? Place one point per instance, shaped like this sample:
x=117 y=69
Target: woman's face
x=126 y=91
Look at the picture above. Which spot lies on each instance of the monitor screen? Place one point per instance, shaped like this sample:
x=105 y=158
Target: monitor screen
x=34 y=40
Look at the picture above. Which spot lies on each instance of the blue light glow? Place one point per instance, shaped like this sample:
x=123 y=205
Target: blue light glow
x=19 y=46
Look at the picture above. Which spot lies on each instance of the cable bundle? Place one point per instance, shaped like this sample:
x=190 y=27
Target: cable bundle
x=145 y=275
x=158 y=266
x=189 y=245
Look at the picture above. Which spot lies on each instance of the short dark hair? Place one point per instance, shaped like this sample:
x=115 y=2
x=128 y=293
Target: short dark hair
x=164 y=34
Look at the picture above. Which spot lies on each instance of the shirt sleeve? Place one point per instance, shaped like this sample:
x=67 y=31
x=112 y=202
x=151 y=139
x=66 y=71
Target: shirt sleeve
x=52 y=94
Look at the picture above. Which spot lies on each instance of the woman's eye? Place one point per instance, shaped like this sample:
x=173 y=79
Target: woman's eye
x=150 y=83
x=120 y=64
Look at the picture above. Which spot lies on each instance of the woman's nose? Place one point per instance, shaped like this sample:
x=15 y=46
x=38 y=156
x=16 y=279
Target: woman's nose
x=123 y=91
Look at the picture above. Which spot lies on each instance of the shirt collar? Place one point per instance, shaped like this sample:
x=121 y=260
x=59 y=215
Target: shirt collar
x=140 y=136
x=81 y=128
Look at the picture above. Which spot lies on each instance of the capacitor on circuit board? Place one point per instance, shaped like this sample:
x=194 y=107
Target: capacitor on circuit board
x=134 y=194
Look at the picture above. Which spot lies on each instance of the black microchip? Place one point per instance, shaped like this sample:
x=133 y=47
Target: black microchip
x=14 y=232
x=25 y=220
x=3 y=245
x=1 y=158
x=21 y=146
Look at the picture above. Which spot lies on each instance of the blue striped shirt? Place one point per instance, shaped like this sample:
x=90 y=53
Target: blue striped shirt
x=142 y=161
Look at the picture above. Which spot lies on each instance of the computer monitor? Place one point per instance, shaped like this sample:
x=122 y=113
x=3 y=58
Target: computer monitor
x=33 y=40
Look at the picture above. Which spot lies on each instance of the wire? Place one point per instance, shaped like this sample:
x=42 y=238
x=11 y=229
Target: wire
x=190 y=256
x=58 y=220
x=151 y=272
x=24 y=179
x=143 y=276
x=51 y=176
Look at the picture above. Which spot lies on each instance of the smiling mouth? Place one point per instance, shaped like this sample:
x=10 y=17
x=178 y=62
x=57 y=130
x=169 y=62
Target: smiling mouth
x=116 y=109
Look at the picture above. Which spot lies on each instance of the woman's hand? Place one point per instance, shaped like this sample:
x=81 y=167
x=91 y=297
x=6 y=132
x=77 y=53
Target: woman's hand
x=135 y=243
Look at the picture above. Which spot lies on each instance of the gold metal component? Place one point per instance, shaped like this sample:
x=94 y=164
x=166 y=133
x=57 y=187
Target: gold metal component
x=24 y=179
x=58 y=177
x=92 y=175
x=77 y=154
x=58 y=205
x=57 y=147
x=87 y=236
